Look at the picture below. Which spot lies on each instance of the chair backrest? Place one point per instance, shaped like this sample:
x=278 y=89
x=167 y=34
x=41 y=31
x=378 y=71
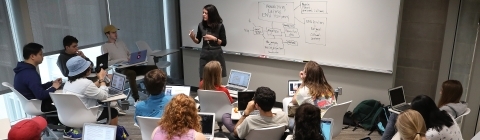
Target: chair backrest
x=5 y=128
x=214 y=102
x=337 y=112
x=147 y=125
x=459 y=118
x=142 y=45
x=270 y=133
x=31 y=107
x=71 y=110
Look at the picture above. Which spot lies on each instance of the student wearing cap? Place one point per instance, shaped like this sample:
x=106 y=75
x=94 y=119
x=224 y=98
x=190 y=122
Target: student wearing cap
x=29 y=129
x=88 y=91
x=118 y=51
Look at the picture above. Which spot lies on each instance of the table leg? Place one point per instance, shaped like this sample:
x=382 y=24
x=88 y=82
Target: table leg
x=109 y=113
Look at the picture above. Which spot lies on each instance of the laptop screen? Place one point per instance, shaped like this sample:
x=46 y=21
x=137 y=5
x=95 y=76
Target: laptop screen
x=239 y=78
x=99 y=131
x=396 y=96
x=175 y=90
x=244 y=98
x=118 y=81
x=326 y=127
x=207 y=123
x=293 y=86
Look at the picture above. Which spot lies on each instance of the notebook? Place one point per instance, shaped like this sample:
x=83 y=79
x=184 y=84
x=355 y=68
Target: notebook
x=175 y=90
x=238 y=80
x=137 y=57
x=93 y=131
x=243 y=99
x=293 y=86
x=207 y=122
x=117 y=84
x=327 y=126
x=397 y=99
x=102 y=62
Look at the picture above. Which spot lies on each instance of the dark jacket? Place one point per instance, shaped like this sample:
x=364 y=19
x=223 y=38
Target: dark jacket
x=62 y=62
x=27 y=81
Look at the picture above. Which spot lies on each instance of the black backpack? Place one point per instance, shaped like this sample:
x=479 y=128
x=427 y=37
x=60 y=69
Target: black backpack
x=366 y=113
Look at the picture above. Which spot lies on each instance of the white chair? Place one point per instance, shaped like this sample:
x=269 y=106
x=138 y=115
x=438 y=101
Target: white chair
x=72 y=112
x=147 y=125
x=336 y=112
x=214 y=102
x=286 y=101
x=142 y=45
x=459 y=118
x=5 y=128
x=31 y=107
x=270 y=133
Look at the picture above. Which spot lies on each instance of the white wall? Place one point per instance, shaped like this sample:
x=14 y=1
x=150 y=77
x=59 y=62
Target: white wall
x=357 y=85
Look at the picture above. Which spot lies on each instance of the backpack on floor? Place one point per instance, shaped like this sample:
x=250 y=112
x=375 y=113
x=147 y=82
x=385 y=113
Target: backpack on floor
x=382 y=120
x=122 y=133
x=366 y=113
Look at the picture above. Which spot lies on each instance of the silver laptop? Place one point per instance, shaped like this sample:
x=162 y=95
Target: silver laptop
x=208 y=124
x=137 y=57
x=175 y=90
x=117 y=84
x=397 y=99
x=293 y=85
x=238 y=80
x=93 y=131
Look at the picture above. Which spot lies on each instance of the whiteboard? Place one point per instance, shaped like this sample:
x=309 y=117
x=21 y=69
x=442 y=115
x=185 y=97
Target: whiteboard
x=358 y=34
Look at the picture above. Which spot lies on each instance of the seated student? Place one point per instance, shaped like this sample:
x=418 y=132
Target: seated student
x=263 y=101
x=154 y=106
x=212 y=78
x=89 y=92
x=449 y=101
x=180 y=121
x=70 y=45
x=314 y=88
x=306 y=116
x=28 y=129
x=411 y=126
x=117 y=50
x=450 y=98
x=27 y=81
x=440 y=124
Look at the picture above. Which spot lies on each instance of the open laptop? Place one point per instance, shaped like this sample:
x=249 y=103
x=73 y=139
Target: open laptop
x=175 y=90
x=293 y=85
x=397 y=99
x=93 y=131
x=102 y=62
x=117 y=84
x=238 y=80
x=327 y=126
x=208 y=124
x=137 y=57
x=243 y=98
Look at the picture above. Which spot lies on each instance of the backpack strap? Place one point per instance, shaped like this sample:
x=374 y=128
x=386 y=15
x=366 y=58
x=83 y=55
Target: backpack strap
x=371 y=112
x=454 y=111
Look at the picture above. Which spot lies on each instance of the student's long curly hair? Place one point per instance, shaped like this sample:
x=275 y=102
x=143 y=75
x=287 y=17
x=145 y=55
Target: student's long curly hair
x=307 y=123
x=180 y=116
x=315 y=81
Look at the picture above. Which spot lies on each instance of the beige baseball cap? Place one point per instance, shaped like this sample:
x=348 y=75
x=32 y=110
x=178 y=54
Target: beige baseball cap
x=110 y=28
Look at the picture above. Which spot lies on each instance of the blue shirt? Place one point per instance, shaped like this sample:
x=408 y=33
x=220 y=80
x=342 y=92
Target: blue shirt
x=153 y=106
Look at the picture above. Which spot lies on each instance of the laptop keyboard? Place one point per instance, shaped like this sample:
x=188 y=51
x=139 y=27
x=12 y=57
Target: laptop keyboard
x=232 y=88
x=403 y=108
x=112 y=92
x=255 y=112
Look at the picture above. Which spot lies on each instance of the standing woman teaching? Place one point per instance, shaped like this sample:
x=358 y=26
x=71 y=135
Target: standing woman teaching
x=212 y=31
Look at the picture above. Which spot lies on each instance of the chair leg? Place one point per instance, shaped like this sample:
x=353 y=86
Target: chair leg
x=220 y=124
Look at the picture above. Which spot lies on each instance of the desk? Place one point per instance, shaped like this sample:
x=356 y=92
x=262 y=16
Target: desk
x=121 y=66
x=110 y=99
x=161 y=53
x=237 y=116
x=233 y=94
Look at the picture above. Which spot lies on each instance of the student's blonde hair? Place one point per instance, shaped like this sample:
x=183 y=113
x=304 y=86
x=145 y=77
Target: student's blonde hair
x=212 y=75
x=410 y=125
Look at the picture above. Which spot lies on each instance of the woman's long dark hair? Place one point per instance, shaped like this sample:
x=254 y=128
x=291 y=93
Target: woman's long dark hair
x=307 y=123
x=434 y=118
x=214 y=18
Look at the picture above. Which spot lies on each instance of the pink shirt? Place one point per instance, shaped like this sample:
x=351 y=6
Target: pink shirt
x=162 y=135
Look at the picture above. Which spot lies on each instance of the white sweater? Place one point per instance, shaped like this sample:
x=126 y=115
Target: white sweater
x=87 y=91
x=117 y=51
